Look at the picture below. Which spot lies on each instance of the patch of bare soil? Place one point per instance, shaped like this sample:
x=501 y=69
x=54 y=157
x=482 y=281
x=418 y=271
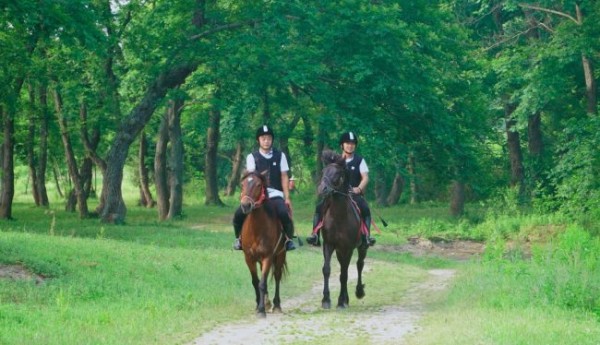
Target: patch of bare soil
x=454 y=250
x=18 y=272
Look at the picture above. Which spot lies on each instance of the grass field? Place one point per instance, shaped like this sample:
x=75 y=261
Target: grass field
x=147 y=282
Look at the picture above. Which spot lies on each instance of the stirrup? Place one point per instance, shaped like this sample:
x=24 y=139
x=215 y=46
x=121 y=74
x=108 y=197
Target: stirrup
x=313 y=240
x=289 y=245
x=371 y=240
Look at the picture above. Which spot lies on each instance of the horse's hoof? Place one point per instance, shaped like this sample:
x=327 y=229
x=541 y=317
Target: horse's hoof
x=261 y=315
x=276 y=310
x=326 y=305
x=342 y=306
x=360 y=291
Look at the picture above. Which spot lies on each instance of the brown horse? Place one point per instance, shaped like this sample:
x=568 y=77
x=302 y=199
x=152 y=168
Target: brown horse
x=341 y=229
x=262 y=239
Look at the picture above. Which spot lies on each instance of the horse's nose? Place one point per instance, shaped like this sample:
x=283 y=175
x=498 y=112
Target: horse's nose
x=246 y=207
x=324 y=189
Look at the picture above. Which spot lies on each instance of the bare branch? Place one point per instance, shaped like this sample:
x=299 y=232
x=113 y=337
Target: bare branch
x=547 y=10
x=507 y=39
x=546 y=27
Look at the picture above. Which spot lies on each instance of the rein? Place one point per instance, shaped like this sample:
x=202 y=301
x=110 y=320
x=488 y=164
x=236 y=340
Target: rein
x=254 y=204
x=348 y=195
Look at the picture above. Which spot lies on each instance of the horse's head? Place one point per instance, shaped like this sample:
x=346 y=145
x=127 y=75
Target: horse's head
x=254 y=191
x=334 y=177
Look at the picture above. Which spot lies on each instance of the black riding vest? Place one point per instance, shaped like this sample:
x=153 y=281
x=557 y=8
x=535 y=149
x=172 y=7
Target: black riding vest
x=272 y=165
x=353 y=168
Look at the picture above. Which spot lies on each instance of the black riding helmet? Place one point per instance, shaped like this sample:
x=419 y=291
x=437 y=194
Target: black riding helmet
x=349 y=137
x=264 y=130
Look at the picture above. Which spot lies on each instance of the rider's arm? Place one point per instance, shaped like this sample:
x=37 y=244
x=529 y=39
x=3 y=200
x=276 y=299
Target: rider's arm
x=364 y=178
x=285 y=179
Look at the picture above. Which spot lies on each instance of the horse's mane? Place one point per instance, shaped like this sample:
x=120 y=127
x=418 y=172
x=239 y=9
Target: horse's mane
x=331 y=157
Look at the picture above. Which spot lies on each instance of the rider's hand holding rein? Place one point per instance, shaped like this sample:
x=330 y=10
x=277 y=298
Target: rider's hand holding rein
x=356 y=190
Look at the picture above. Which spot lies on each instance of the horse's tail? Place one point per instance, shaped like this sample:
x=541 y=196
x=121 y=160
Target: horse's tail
x=284 y=270
x=278 y=265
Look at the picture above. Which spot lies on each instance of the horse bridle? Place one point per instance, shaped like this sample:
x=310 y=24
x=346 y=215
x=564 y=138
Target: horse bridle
x=254 y=203
x=333 y=188
x=336 y=189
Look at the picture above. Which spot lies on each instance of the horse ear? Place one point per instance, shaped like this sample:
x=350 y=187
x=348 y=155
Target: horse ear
x=328 y=156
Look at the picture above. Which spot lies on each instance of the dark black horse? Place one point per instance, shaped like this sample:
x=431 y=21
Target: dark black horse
x=341 y=229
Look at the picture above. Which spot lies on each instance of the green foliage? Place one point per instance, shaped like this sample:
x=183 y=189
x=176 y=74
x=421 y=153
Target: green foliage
x=574 y=280
x=565 y=273
x=575 y=179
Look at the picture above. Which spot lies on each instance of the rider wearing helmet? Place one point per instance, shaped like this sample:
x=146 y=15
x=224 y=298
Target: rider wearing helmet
x=359 y=178
x=275 y=163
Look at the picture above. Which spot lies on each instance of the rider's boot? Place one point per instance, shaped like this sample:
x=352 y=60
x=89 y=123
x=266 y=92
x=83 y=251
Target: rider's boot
x=289 y=232
x=313 y=239
x=367 y=239
x=237 y=244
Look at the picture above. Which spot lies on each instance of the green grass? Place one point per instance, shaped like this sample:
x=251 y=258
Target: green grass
x=532 y=325
x=150 y=282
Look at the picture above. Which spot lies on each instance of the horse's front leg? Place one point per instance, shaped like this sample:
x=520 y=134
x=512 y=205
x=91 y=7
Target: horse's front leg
x=262 y=287
x=344 y=260
x=255 y=281
x=278 y=273
x=327 y=251
x=360 y=264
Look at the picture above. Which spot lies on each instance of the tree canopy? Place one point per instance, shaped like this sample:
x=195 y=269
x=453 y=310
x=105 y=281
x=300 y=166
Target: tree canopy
x=449 y=98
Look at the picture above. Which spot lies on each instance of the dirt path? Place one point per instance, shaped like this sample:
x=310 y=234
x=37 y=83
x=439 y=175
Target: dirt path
x=304 y=322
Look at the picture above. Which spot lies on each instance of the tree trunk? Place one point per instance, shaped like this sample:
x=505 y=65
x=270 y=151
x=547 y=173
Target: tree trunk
x=43 y=144
x=8 y=172
x=212 y=145
x=160 y=168
x=31 y=158
x=590 y=86
x=414 y=190
x=112 y=207
x=513 y=143
x=588 y=74
x=176 y=160
x=91 y=159
x=457 y=203
x=56 y=174
x=86 y=172
x=71 y=204
x=397 y=189
x=318 y=162
x=236 y=169
x=381 y=191
x=145 y=194
x=70 y=156
x=536 y=145
x=7 y=187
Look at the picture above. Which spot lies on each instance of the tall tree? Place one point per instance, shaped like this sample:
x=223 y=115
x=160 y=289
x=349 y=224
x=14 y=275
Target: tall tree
x=175 y=160
x=145 y=194
x=161 y=174
x=212 y=145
